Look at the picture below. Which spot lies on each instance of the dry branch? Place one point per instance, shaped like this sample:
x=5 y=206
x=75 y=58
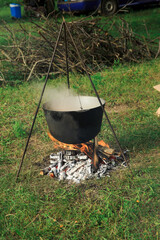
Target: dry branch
x=98 y=47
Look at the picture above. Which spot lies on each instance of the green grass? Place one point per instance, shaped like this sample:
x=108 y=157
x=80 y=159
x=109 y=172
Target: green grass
x=124 y=206
x=5 y=13
x=144 y=22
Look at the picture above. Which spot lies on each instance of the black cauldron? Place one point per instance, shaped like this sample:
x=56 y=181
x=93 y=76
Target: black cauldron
x=75 y=120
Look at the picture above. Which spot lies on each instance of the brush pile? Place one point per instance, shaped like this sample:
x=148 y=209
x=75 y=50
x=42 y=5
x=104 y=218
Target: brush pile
x=100 y=44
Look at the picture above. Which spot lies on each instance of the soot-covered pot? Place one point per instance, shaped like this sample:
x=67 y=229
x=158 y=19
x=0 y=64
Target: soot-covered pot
x=75 y=120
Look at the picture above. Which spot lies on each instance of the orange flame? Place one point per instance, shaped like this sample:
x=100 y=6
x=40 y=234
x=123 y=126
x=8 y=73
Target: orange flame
x=58 y=144
x=87 y=148
x=103 y=144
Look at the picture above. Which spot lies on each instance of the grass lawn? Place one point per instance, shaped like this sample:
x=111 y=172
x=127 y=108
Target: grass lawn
x=124 y=206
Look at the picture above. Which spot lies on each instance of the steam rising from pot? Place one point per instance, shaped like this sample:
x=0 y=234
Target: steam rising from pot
x=65 y=100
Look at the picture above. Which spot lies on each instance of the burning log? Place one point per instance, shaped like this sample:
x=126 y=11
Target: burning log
x=45 y=171
x=54 y=156
x=76 y=166
x=95 y=157
x=73 y=170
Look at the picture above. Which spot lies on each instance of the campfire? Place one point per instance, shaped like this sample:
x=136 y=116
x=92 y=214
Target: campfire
x=79 y=162
x=81 y=116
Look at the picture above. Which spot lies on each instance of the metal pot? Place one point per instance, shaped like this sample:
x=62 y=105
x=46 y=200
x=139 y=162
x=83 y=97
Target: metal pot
x=74 y=121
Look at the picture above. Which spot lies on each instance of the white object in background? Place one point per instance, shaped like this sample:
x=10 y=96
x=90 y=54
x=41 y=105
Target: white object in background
x=158 y=112
x=157 y=87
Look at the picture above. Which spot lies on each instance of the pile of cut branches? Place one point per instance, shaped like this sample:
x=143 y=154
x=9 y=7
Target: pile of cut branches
x=96 y=42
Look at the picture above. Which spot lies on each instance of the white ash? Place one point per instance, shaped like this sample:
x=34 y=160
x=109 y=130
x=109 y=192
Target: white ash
x=75 y=167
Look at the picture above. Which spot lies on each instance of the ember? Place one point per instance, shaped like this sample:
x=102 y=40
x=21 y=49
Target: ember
x=75 y=162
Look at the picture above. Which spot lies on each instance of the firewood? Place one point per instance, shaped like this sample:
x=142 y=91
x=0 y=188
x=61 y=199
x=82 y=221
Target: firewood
x=109 y=151
x=32 y=51
x=45 y=171
x=95 y=157
x=106 y=151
